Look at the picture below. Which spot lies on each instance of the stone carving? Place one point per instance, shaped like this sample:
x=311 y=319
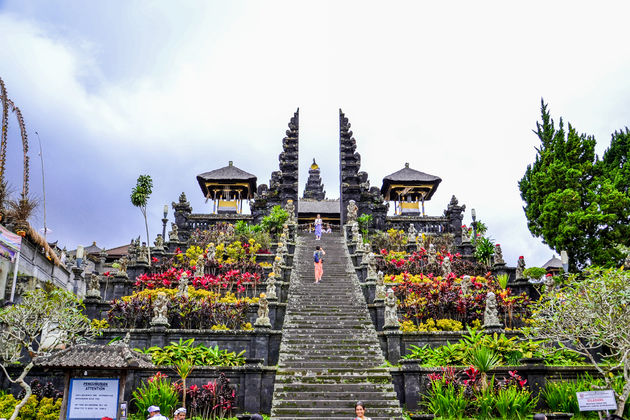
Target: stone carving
x=465 y=234
x=550 y=283
x=173 y=235
x=520 y=268
x=123 y=262
x=211 y=252
x=182 y=287
x=491 y=313
x=263 y=312
x=626 y=262
x=290 y=208
x=229 y=230
x=159 y=242
x=498 y=255
x=446 y=267
x=160 y=308
x=143 y=255
x=94 y=287
x=380 y=293
x=371 y=266
x=285 y=232
x=200 y=267
x=431 y=254
x=355 y=232
x=391 y=315
x=352 y=212
x=466 y=285
x=277 y=267
x=271 y=286
x=412 y=234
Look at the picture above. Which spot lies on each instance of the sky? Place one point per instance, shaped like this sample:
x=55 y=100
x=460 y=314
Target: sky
x=121 y=88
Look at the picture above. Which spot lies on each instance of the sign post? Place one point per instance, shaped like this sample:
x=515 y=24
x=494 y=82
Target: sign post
x=93 y=398
x=597 y=400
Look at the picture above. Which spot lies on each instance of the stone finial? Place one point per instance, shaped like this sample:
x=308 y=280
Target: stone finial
x=159 y=242
x=446 y=267
x=160 y=309
x=173 y=235
x=200 y=267
x=371 y=266
x=520 y=268
x=143 y=255
x=263 y=312
x=290 y=208
x=285 y=231
x=391 y=313
x=277 y=267
x=412 y=234
x=431 y=254
x=466 y=285
x=498 y=255
x=182 y=198
x=380 y=293
x=271 y=286
x=94 y=287
x=182 y=287
x=353 y=211
x=491 y=313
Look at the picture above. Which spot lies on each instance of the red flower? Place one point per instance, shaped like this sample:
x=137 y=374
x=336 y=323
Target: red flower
x=520 y=258
x=106 y=274
x=153 y=259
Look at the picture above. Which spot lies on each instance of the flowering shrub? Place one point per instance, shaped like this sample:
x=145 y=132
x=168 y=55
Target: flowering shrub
x=424 y=297
x=212 y=400
x=431 y=325
x=394 y=262
x=157 y=390
x=196 y=311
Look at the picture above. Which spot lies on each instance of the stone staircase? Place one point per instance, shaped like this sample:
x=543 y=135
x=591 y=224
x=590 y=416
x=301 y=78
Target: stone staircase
x=330 y=356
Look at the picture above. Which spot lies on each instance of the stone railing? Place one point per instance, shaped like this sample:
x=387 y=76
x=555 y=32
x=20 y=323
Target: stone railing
x=422 y=224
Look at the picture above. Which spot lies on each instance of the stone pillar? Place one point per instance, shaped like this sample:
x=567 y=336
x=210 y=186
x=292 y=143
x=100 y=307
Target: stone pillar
x=411 y=382
x=252 y=388
x=260 y=343
x=394 y=338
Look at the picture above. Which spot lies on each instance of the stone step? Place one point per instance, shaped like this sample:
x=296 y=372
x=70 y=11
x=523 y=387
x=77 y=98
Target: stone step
x=336 y=403
x=327 y=412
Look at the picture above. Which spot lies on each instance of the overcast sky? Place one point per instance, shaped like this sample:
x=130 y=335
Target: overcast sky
x=121 y=88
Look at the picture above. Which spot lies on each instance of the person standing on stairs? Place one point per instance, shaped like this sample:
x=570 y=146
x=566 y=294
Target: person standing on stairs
x=359 y=410
x=318 y=227
x=318 y=259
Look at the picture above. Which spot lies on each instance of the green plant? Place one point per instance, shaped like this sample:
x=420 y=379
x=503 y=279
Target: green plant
x=364 y=221
x=274 y=221
x=484 y=360
x=445 y=400
x=534 y=272
x=159 y=391
x=514 y=403
x=502 y=280
x=198 y=355
x=484 y=250
x=484 y=401
x=139 y=197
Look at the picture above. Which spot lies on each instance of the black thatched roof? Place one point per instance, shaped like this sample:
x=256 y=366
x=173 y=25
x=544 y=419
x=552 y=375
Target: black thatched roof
x=96 y=356
x=319 y=207
x=411 y=178
x=228 y=175
x=553 y=263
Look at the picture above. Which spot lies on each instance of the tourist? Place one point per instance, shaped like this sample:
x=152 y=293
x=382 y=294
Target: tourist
x=179 y=414
x=328 y=229
x=318 y=228
x=539 y=416
x=359 y=410
x=154 y=413
x=318 y=259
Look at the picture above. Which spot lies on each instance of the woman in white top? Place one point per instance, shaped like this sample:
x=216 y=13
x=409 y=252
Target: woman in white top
x=359 y=410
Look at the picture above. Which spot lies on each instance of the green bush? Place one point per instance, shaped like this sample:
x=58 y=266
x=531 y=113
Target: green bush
x=159 y=391
x=534 y=272
x=445 y=400
x=274 y=221
x=199 y=355
x=514 y=403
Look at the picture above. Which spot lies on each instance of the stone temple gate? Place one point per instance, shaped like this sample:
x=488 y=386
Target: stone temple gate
x=407 y=189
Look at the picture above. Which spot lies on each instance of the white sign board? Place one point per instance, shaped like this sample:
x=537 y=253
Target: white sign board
x=597 y=400
x=92 y=398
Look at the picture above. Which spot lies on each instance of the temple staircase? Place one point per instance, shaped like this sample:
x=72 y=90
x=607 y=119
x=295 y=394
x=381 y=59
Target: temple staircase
x=330 y=356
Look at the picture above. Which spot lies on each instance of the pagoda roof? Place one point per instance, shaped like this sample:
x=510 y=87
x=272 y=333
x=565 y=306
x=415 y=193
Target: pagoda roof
x=554 y=262
x=228 y=175
x=96 y=356
x=409 y=177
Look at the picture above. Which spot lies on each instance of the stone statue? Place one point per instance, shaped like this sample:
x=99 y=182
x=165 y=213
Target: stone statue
x=94 y=287
x=355 y=232
x=173 y=235
x=491 y=313
x=160 y=308
x=466 y=285
x=431 y=254
x=498 y=255
x=159 y=242
x=465 y=234
x=211 y=252
x=131 y=250
x=550 y=283
x=285 y=231
x=446 y=267
x=371 y=266
x=391 y=314
x=626 y=262
x=200 y=267
x=271 y=286
x=182 y=287
x=353 y=212
x=263 y=312
x=520 y=268
x=123 y=262
x=143 y=255
x=380 y=293
x=277 y=267
x=290 y=208
x=230 y=229
x=282 y=246
x=412 y=234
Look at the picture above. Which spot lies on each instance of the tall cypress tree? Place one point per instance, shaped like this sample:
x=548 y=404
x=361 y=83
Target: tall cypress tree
x=572 y=202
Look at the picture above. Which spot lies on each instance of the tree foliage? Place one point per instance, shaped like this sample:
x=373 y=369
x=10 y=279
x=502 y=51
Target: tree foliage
x=575 y=201
x=139 y=198
x=42 y=322
x=590 y=314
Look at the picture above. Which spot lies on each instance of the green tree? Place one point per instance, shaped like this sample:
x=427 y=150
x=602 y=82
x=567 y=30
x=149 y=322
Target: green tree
x=590 y=314
x=573 y=200
x=42 y=322
x=139 y=197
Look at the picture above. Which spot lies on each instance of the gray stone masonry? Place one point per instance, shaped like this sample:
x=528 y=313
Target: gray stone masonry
x=329 y=355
